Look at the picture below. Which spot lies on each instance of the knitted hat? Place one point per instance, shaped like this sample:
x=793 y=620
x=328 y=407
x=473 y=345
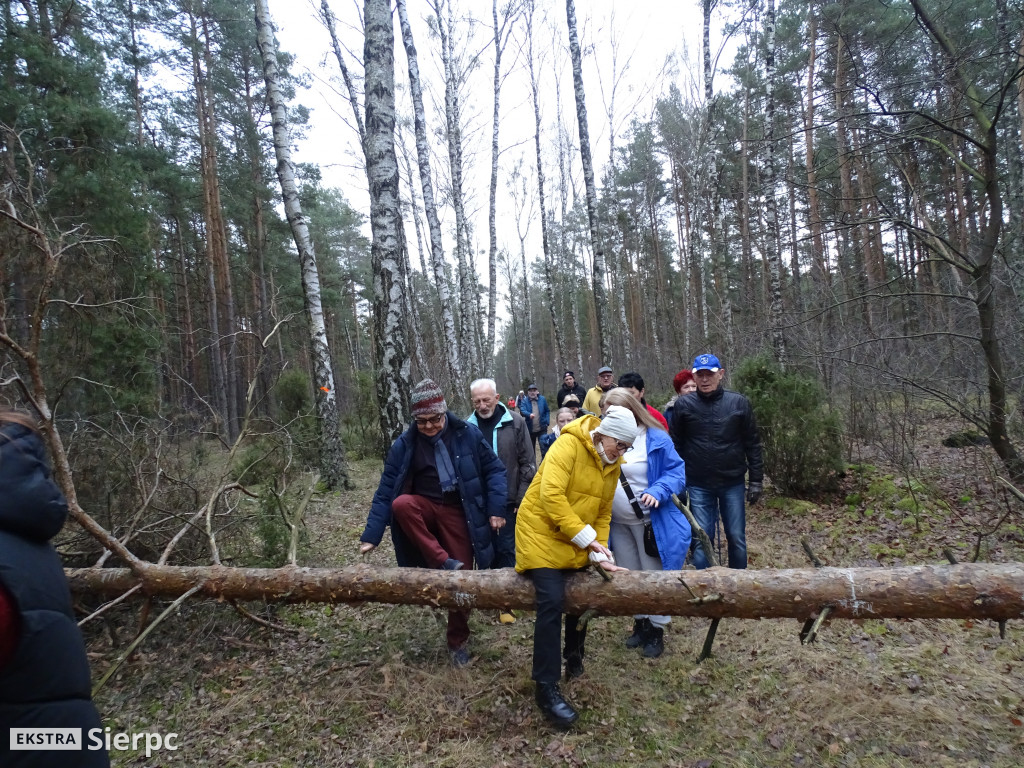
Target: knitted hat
x=618 y=423
x=427 y=399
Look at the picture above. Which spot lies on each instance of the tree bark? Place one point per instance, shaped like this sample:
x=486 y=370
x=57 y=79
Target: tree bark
x=392 y=360
x=776 y=325
x=971 y=590
x=333 y=469
x=450 y=346
x=601 y=308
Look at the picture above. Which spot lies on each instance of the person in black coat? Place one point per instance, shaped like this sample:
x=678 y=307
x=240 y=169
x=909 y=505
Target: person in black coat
x=569 y=387
x=443 y=492
x=44 y=672
x=715 y=432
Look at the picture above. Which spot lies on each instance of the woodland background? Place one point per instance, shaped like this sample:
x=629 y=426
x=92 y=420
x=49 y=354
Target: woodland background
x=196 y=318
x=212 y=336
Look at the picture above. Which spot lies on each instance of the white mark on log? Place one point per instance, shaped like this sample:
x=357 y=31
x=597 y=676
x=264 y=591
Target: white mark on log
x=855 y=606
x=465 y=599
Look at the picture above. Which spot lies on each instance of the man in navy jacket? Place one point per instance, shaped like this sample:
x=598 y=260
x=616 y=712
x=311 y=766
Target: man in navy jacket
x=443 y=491
x=534 y=409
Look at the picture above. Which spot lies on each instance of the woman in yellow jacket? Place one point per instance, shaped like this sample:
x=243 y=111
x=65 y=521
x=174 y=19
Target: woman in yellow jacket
x=563 y=526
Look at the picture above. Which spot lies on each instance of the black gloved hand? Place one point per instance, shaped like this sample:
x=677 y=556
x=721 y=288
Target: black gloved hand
x=753 y=493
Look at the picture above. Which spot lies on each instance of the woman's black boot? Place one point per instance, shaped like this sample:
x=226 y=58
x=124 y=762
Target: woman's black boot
x=555 y=708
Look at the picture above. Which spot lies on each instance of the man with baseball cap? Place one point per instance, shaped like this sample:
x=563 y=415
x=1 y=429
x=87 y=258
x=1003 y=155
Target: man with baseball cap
x=715 y=432
x=605 y=381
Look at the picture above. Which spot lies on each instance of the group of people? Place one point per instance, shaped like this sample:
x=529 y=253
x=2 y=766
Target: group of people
x=457 y=491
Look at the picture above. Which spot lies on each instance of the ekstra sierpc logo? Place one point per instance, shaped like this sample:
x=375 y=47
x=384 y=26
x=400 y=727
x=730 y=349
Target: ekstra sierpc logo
x=46 y=739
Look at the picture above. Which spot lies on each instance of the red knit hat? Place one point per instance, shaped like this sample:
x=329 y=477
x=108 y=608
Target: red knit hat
x=427 y=399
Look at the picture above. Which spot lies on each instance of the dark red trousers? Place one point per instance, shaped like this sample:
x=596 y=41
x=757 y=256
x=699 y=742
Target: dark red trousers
x=438 y=531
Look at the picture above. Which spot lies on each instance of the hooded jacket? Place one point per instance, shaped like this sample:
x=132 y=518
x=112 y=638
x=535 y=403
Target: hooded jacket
x=482 y=486
x=573 y=489
x=717 y=437
x=46 y=684
x=511 y=441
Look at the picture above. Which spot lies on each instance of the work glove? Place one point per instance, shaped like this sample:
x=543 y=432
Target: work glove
x=753 y=493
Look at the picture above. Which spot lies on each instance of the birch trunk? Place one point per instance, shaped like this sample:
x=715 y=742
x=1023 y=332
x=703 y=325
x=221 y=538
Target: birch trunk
x=467 y=274
x=778 y=338
x=392 y=360
x=333 y=469
x=450 y=346
x=966 y=591
x=813 y=206
x=601 y=309
x=549 y=289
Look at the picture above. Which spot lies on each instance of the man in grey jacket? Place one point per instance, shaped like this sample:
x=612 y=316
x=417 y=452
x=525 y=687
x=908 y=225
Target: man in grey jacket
x=509 y=437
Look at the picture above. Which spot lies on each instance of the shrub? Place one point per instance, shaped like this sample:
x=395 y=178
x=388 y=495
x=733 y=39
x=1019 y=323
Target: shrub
x=801 y=435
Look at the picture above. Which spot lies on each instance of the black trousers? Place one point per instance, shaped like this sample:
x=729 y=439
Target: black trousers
x=549 y=584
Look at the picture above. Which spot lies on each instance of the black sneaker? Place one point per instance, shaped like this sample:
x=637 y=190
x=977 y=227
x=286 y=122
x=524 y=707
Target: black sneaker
x=451 y=564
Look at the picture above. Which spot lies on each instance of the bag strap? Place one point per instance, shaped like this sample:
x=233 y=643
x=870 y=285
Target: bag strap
x=629 y=495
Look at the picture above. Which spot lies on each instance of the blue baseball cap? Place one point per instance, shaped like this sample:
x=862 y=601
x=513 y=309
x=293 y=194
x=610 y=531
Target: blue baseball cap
x=706 y=363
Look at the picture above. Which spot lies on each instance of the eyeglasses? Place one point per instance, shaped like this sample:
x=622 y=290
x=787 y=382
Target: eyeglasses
x=430 y=421
x=620 y=446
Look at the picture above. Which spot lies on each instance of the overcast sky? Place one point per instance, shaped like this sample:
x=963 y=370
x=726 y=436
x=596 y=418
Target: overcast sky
x=657 y=40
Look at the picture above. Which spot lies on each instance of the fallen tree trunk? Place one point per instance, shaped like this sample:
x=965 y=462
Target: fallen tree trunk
x=976 y=590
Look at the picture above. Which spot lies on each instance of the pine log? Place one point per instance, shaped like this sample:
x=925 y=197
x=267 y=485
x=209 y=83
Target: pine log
x=969 y=590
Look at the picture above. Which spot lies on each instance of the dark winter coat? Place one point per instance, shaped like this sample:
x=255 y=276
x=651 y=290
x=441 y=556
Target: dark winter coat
x=511 y=441
x=46 y=684
x=564 y=392
x=481 y=481
x=718 y=439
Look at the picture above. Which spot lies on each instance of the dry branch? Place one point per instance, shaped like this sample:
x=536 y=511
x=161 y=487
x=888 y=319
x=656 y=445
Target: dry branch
x=968 y=590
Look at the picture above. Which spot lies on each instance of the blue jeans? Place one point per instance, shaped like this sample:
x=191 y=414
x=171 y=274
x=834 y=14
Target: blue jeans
x=707 y=504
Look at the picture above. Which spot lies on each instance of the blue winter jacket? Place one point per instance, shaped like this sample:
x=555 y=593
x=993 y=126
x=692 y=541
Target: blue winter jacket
x=543 y=414
x=666 y=474
x=482 y=485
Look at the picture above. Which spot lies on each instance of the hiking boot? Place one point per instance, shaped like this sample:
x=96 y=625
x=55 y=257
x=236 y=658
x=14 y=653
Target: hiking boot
x=573 y=667
x=459 y=657
x=654 y=645
x=451 y=564
x=641 y=629
x=554 y=707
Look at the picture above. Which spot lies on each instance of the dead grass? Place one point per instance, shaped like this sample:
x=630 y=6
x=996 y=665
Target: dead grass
x=370 y=685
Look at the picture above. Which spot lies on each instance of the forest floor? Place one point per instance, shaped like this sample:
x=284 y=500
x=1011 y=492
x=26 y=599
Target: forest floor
x=371 y=685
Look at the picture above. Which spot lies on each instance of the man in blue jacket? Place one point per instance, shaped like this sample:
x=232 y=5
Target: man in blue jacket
x=443 y=491
x=534 y=409
x=715 y=432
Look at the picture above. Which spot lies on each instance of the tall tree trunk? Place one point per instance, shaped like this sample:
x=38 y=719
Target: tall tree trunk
x=385 y=220
x=450 y=347
x=453 y=119
x=501 y=32
x=556 y=325
x=820 y=269
x=333 y=469
x=776 y=321
x=601 y=308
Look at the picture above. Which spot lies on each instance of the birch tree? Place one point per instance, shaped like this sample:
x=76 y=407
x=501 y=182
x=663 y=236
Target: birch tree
x=772 y=239
x=556 y=325
x=502 y=32
x=600 y=298
x=333 y=469
x=450 y=346
x=390 y=345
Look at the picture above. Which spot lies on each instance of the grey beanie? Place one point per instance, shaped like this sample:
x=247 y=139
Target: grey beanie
x=618 y=423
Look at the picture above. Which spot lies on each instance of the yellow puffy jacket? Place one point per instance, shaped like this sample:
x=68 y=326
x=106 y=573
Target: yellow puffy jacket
x=572 y=489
